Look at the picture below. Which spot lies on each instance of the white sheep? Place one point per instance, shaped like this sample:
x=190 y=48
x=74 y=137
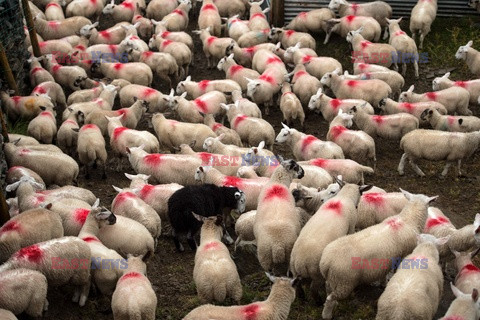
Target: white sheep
x=236 y=72
x=372 y=29
x=177 y=20
x=178 y=50
x=209 y=17
x=121 y=12
x=195 y=89
x=246 y=106
x=213 y=47
x=230 y=136
x=53 y=90
x=450 y=123
x=374 y=207
x=85 y=8
x=389 y=106
x=134 y=72
x=394 y=237
x=163 y=65
x=473 y=86
x=193 y=111
x=289 y=38
x=437 y=145
x=235 y=27
x=468 y=274
x=378 y=53
x=351 y=171
x=244 y=55
x=26 y=107
x=113 y=35
x=179 y=36
x=471 y=57
x=53 y=11
x=303 y=84
x=67 y=76
x=50 y=30
x=291 y=106
x=91 y=148
x=404 y=45
x=258 y=19
x=392 y=78
x=44 y=126
x=310 y=199
x=38 y=74
x=15 y=173
x=215 y=284
x=130 y=92
x=157 y=9
x=465 y=305
x=421 y=19
x=311 y=21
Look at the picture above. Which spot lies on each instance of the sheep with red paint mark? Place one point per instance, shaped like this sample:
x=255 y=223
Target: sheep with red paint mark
x=123 y=11
x=304 y=85
x=73 y=213
x=450 y=123
x=23 y=290
x=375 y=207
x=258 y=19
x=263 y=89
x=392 y=78
x=455 y=99
x=178 y=36
x=468 y=275
x=196 y=89
x=178 y=50
x=215 y=146
x=163 y=65
x=276 y=229
x=403 y=44
x=230 y=136
x=84 y=95
x=26 y=107
x=404 y=295
x=311 y=199
x=464 y=307
x=134 y=72
x=177 y=20
x=50 y=30
x=213 y=47
x=311 y=21
x=44 y=126
x=112 y=35
x=371 y=91
x=15 y=173
x=134 y=297
x=129 y=93
x=235 y=27
x=473 y=86
x=290 y=38
x=91 y=9
x=157 y=9
x=335 y=218
x=246 y=106
x=389 y=106
x=91 y=148
x=276 y=307
x=236 y=72
x=53 y=90
x=43 y=257
x=72 y=77
x=245 y=55
x=53 y=11
x=306 y=147
x=393 y=237
x=421 y=19
x=291 y=106
x=342 y=26
x=193 y=111
x=38 y=74
x=215 y=284
x=209 y=17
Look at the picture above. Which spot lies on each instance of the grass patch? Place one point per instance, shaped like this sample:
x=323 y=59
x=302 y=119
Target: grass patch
x=18 y=127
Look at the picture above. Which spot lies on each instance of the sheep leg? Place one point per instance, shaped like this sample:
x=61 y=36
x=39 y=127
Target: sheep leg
x=87 y=174
x=385 y=33
x=104 y=169
x=445 y=169
x=401 y=165
x=84 y=290
x=226 y=237
x=177 y=243
x=76 y=295
x=459 y=164
x=191 y=241
x=416 y=168
x=414 y=35
x=327 y=38
x=404 y=69
x=328 y=307
x=422 y=37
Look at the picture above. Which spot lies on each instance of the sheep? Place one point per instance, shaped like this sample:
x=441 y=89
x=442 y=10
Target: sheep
x=464 y=306
x=213 y=47
x=362 y=67
x=422 y=17
x=371 y=32
x=450 y=123
x=193 y=111
x=196 y=89
x=351 y=171
x=394 y=237
x=179 y=36
x=44 y=257
x=275 y=228
x=409 y=286
x=177 y=20
x=214 y=145
x=53 y=90
x=215 y=284
x=157 y=9
x=26 y=107
x=230 y=136
x=113 y=35
x=22 y=140
x=265 y=59
x=88 y=9
x=163 y=65
x=471 y=57
x=371 y=91
x=155 y=100
x=62 y=169
x=73 y=213
x=437 y=145
x=263 y=89
x=236 y=72
x=329 y=107
x=7 y=315
x=144 y=25
x=143 y=303
x=67 y=76
x=306 y=147
x=304 y=85
x=378 y=53
x=246 y=106
x=121 y=12
x=375 y=207
x=204 y=200
x=291 y=106
x=468 y=274
x=91 y=148
x=390 y=106
x=53 y=11
x=184 y=132
x=388 y=127
x=27 y=196
x=24 y=290
x=50 y=30
x=22 y=230
x=277 y=305
x=287 y=57
x=404 y=45
x=334 y=219
x=44 y=126
x=179 y=50
x=84 y=95
x=15 y=173
x=473 y=86
x=258 y=19
x=455 y=99
x=134 y=72
x=38 y=74
x=356 y=144
x=392 y=78
x=209 y=17
x=310 y=199
x=311 y=21
x=244 y=55
x=289 y=38
x=236 y=27
x=70 y=192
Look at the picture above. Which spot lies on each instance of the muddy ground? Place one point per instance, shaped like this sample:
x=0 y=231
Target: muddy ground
x=171 y=272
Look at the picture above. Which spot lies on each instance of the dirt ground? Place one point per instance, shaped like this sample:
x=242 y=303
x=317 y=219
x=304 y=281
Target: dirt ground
x=171 y=272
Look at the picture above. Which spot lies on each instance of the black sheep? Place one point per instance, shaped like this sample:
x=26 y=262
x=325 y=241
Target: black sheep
x=205 y=200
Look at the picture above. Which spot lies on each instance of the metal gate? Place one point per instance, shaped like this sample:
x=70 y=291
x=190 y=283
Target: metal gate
x=401 y=8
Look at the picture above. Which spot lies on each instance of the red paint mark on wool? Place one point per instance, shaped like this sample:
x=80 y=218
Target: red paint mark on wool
x=211 y=245
x=234 y=69
x=250 y=312
x=90 y=239
x=408 y=106
x=42 y=44
x=335 y=103
x=394 y=223
x=352 y=83
x=201 y=105
x=350 y=18
x=378 y=119
x=469 y=268
x=147 y=92
x=38 y=198
x=205 y=157
x=131 y=275
x=211 y=39
x=80 y=47
x=450 y=120
x=118 y=66
x=232 y=181
x=319 y=162
x=289 y=33
x=450 y=317
x=276 y=191
x=146 y=191
x=268 y=79
x=105 y=34
x=274 y=60
x=123 y=197
x=299 y=74
x=165 y=34
x=134 y=38
x=257 y=15
x=55 y=68
x=240 y=118
x=374 y=198
x=147 y=54
x=24 y=152
x=71 y=122
x=137 y=17
x=39 y=89
x=52 y=4
x=249 y=50
x=153 y=159
x=216 y=126
x=128 y=5
x=336 y=131
x=53 y=24
x=365 y=44
x=399 y=33
x=306 y=141
x=431 y=95
x=462 y=84
x=122 y=112
x=80 y=215
x=302 y=15
x=31 y=253
x=36 y=69
x=433 y=222
x=113 y=48
x=209 y=6
x=203 y=84
x=179 y=12
x=10 y=226
x=118 y=131
x=284 y=94
x=89 y=126
x=93 y=1
x=354 y=7
x=334 y=205
x=166 y=43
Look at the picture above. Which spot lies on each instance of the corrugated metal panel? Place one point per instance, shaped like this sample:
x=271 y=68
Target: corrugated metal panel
x=401 y=8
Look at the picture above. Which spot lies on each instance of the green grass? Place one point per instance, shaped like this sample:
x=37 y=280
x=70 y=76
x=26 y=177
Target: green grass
x=18 y=127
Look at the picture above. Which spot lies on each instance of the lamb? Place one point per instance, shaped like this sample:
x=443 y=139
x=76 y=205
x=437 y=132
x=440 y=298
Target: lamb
x=193 y=111
x=215 y=284
x=289 y=38
x=371 y=32
x=22 y=230
x=291 y=106
x=113 y=35
x=390 y=106
x=473 y=86
x=236 y=72
x=230 y=136
x=157 y=9
x=50 y=30
x=329 y=107
x=388 y=127
x=236 y=27
x=464 y=306
x=306 y=147
x=371 y=91
x=246 y=106
x=375 y=207
x=392 y=78
x=403 y=44
x=277 y=305
x=24 y=291
x=177 y=20
x=356 y=144
x=38 y=74
x=184 y=132
x=178 y=50
x=426 y=279
x=311 y=21
x=143 y=303
x=304 y=85
x=22 y=140
x=44 y=257
x=134 y=72
x=89 y=9
x=26 y=107
x=205 y=200
x=275 y=228
x=53 y=11
x=263 y=89
x=44 y=126
x=351 y=171
x=84 y=95
x=258 y=19
x=209 y=17
x=378 y=53
x=53 y=90
x=394 y=237
x=334 y=219
x=437 y=145
x=67 y=76
x=179 y=36
x=196 y=89
x=422 y=17
x=15 y=173
x=91 y=148
x=155 y=100
x=73 y=213
x=122 y=12
x=27 y=198
x=163 y=65
x=471 y=57
x=455 y=99
x=310 y=199
x=450 y=123
x=63 y=170
x=216 y=146
x=213 y=47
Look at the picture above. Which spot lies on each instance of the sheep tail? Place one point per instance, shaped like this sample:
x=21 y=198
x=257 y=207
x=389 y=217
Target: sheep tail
x=367 y=169
x=278 y=253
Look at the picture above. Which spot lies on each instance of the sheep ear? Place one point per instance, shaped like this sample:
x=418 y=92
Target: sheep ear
x=285 y=126
x=446 y=75
x=199 y=217
x=13 y=186
x=183 y=95
x=270 y=277
x=278 y=46
x=456 y=291
x=225 y=106
x=231 y=56
x=189 y=78
x=411 y=88
x=470 y=43
x=129 y=176
x=97 y=202
x=261 y=145
x=442 y=241
x=220 y=137
x=117 y=189
x=339 y=181
x=248 y=79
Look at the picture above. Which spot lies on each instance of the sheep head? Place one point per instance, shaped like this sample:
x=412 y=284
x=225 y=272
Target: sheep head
x=436 y=82
x=406 y=95
x=462 y=51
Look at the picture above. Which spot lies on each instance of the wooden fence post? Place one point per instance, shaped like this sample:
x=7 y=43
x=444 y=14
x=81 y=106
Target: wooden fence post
x=278 y=18
x=31 y=29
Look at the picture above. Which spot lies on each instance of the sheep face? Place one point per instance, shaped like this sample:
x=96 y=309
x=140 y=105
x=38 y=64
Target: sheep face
x=208 y=144
x=283 y=135
x=181 y=87
x=274 y=34
x=103 y=216
x=437 y=81
x=335 y=4
x=293 y=168
x=252 y=87
x=426 y=115
x=108 y=8
x=326 y=79
x=473 y=3
x=229 y=49
x=289 y=52
x=221 y=63
x=463 y=50
x=312 y=104
x=151 y=43
x=476 y=226
x=406 y=95
x=200 y=174
x=241 y=199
